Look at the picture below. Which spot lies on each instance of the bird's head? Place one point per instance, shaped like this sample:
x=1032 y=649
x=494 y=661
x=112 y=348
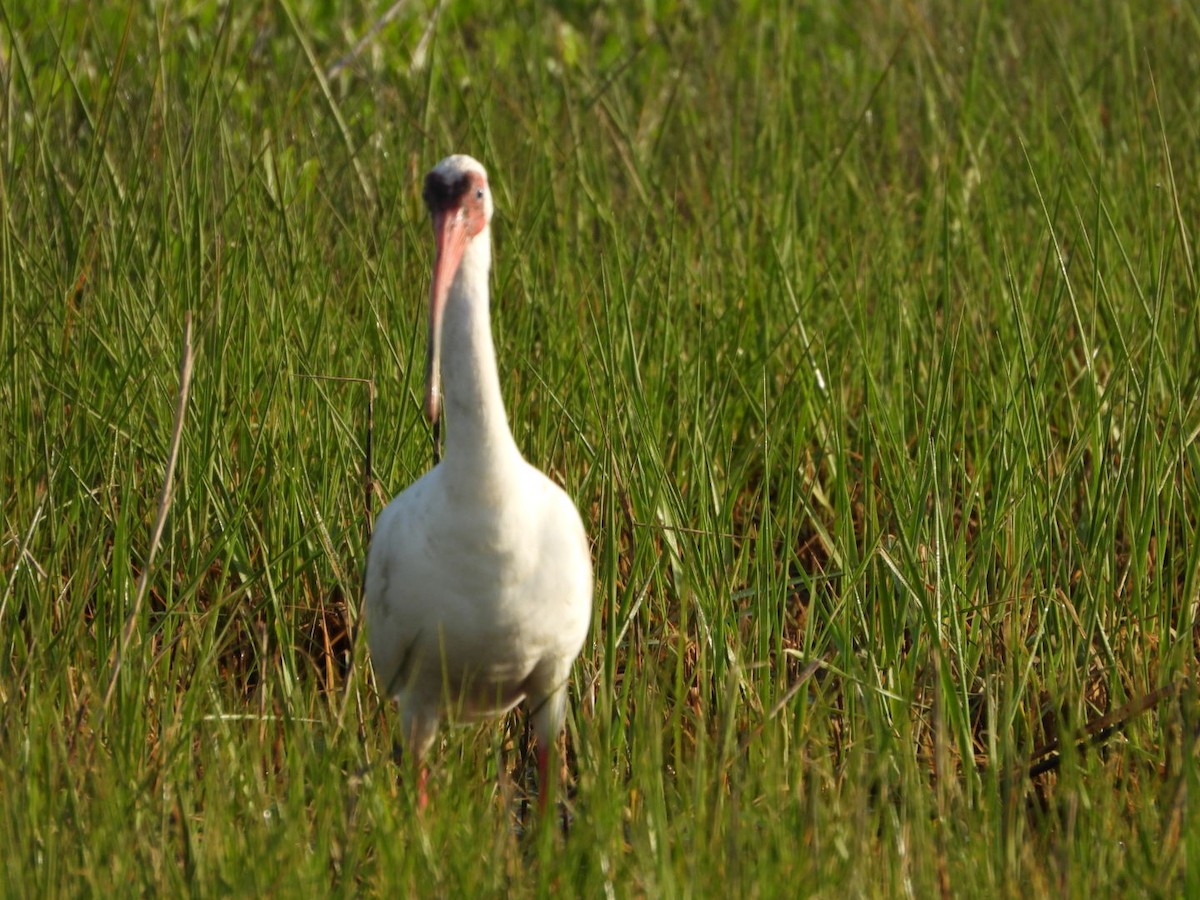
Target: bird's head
x=460 y=205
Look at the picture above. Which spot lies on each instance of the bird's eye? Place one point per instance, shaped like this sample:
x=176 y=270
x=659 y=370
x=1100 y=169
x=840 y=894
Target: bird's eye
x=478 y=193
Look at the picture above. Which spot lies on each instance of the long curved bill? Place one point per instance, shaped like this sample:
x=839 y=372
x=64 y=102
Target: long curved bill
x=450 y=234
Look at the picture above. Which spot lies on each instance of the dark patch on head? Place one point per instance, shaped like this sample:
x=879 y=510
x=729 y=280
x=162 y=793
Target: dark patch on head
x=446 y=192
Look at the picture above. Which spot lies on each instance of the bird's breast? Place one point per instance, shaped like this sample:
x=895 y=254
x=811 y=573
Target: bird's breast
x=475 y=596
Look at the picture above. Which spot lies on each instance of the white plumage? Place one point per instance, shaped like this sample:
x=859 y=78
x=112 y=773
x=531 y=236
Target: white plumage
x=479 y=579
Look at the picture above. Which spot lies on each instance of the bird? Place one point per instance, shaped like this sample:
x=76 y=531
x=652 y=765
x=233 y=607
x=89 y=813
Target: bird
x=478 y=587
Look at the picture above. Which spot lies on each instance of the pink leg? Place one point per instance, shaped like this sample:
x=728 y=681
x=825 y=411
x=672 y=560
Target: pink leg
x=422 y=777
x=400 y=756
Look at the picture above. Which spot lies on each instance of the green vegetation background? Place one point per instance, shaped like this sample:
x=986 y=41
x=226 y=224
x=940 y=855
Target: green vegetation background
x=865 y=336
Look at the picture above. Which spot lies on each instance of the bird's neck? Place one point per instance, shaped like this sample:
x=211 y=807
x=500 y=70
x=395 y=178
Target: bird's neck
x=477 y=436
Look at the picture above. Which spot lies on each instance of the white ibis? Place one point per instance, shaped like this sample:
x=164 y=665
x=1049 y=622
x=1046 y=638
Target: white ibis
x=479 y=579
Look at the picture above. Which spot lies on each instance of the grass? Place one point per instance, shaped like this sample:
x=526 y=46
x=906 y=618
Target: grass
x=867 y=342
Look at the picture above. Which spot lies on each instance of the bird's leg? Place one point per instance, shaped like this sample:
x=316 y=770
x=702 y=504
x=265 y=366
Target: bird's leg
x=546 y=714
x=401 y=758
x=546 y=752
x=422 y=794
